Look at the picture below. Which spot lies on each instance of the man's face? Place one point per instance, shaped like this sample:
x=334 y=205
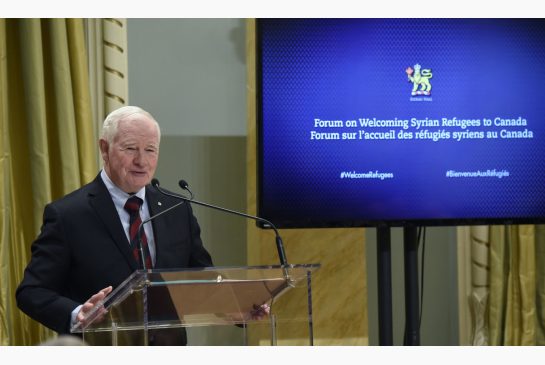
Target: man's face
x=131 y=159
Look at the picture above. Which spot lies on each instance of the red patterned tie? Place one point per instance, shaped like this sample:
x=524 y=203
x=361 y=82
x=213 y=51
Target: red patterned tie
x=132 y=206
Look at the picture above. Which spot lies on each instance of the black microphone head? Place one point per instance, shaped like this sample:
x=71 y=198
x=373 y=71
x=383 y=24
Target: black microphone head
x=155 y=182
x=183 y=184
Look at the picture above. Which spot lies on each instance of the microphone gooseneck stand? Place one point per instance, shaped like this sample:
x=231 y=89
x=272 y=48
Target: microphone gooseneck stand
x=279 y=244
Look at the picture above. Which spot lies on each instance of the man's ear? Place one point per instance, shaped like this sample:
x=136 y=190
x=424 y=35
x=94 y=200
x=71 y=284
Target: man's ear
x=104 y=146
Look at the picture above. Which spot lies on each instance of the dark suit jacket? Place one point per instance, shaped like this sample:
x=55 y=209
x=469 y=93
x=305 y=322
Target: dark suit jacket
x=82 y=249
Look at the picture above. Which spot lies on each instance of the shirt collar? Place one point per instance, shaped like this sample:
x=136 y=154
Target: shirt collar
x=116 y=192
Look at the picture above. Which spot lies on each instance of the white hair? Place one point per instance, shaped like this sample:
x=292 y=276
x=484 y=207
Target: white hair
x=111 y=123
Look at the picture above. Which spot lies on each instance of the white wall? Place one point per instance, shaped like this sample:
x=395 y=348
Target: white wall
x=190 y=73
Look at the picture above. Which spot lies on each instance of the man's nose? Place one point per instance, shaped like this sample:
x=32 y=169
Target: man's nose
x=138 y=158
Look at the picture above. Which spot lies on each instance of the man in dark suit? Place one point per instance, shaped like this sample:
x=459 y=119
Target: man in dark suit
x=86 y=244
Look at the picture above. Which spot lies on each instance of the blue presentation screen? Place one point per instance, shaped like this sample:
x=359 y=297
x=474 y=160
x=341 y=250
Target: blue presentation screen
x=399 y=121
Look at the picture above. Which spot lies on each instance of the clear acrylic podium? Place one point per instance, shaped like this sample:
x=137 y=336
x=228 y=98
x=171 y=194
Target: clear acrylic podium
x=152 y=302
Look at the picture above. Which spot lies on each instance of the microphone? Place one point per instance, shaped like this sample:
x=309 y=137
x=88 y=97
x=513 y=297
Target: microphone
x=185 y=186
x=141 y=227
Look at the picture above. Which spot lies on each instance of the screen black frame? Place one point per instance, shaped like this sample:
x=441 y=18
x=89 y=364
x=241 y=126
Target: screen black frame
x=302 y=223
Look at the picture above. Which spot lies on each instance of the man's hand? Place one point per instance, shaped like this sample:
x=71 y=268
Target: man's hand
x=90 y=304
x=260 y=311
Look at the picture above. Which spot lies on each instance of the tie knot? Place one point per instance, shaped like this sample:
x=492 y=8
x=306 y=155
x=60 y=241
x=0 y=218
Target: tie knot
x=133 y=204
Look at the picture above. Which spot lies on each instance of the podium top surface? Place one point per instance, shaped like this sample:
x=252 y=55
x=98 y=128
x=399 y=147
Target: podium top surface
x=225 y=274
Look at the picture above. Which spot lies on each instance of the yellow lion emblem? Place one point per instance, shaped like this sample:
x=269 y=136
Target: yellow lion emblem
x=419 y=78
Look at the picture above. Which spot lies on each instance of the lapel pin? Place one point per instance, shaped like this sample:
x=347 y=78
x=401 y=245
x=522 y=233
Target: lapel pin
x=159 y=203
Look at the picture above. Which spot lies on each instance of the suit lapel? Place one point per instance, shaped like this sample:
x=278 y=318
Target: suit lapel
x=101 y=201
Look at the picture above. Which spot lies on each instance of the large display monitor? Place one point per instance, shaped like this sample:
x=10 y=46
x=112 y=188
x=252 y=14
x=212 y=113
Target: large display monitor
x=364 y=122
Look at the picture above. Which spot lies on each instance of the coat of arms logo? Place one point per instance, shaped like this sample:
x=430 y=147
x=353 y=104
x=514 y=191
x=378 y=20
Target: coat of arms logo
x=420 y=79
